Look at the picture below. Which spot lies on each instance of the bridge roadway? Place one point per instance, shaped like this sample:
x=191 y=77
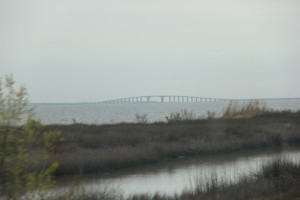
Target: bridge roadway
x=162 y=99
x=178 y=99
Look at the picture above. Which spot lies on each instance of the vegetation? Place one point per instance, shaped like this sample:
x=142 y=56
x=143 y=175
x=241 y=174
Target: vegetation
x=24 y=148
x=211 y=115
x=30 y=152
x=251 y=109
x=94 y=148
x=183 y=115
x=279 y=180
x=141 y=118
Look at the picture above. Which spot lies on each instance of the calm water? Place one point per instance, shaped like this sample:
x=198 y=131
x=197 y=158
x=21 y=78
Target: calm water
x=169 y=177
x=176 y=176
x=103 y=114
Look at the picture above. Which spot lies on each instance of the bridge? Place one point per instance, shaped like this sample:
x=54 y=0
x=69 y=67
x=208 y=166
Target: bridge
x=163 y=99
x=178 y=99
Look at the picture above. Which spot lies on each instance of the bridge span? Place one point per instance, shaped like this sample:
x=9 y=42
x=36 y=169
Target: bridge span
x=163 y=99
x=178 y=99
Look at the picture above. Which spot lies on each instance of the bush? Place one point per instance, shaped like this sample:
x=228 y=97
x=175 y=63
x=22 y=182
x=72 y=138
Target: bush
x=211 y=115
x=24 y=147
x=182 y=115
x=141 y=118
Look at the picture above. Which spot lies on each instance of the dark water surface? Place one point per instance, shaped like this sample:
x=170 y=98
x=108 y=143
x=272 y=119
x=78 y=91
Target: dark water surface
x=174 y=176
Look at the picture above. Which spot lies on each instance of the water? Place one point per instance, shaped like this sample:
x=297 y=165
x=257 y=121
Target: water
x=115 y=113
x=168 y=177
x=174 y=177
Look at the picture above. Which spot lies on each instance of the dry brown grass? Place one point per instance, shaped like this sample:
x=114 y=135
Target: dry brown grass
x=183 y=115
x=94 y=148
x=251 y=109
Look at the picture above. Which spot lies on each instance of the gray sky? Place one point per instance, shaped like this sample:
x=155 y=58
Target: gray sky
x=93 y=50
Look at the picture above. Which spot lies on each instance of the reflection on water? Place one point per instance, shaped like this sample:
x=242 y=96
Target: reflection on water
x=173 y=177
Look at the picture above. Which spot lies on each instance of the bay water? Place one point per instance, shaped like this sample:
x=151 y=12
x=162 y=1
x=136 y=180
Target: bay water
x=167 y=177
x=117 y=113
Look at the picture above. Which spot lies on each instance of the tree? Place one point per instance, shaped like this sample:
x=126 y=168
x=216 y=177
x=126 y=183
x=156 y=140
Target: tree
x=25 y=168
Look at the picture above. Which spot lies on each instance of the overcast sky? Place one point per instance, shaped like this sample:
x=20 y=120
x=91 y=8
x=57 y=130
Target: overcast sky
x=94 y=50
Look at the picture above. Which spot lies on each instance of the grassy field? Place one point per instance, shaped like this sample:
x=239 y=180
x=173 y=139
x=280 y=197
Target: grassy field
x=95 y=148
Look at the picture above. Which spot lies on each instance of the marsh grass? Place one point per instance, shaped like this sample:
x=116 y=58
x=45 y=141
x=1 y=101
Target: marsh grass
x=79 y=193
x=278 y=180
x=251 y=109
x=141 y=118
x=183 y=115
x=96 y=148
x=211 y=115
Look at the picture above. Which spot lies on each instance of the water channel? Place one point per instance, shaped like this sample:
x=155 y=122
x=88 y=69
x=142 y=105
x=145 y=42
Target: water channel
x=172 y=177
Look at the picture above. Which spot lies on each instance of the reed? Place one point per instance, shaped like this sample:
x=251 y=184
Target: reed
x=183 y=115
x=95 y=148
x=278 y=180
x=141 y=118
x=251 y=109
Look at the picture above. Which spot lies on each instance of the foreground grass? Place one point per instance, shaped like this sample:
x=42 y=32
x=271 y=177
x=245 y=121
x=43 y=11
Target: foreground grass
x=95 y=148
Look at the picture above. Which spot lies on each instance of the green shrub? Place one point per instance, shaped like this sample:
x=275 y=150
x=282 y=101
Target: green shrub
x=24 y=147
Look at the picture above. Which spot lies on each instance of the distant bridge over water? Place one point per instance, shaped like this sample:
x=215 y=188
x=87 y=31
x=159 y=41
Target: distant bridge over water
x=176 y=99
x=163 y=99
